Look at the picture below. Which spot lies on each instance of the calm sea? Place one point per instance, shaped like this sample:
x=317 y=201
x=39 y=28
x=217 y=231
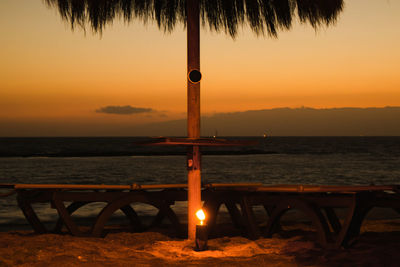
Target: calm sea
x=276 y=160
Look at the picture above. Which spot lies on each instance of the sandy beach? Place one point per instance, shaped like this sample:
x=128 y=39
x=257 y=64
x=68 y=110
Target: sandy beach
x=295 y=246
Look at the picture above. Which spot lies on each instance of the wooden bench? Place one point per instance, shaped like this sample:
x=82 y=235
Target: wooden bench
x=116 y=197
x=318 y=203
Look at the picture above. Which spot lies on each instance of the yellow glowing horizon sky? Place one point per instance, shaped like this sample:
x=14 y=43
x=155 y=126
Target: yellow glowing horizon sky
x=49 y=73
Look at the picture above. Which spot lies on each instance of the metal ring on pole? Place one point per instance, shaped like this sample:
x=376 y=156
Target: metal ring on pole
x=194 y=76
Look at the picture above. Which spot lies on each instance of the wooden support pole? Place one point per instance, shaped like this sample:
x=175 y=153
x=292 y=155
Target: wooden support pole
x=193 y=114
x=193 y=63
x=194 y=189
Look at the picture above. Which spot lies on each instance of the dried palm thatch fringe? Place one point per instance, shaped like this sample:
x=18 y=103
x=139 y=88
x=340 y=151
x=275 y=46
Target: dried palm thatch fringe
x=263 y=16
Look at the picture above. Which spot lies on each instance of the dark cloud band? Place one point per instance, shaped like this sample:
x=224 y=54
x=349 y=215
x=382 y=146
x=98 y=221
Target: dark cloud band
x=123 y=110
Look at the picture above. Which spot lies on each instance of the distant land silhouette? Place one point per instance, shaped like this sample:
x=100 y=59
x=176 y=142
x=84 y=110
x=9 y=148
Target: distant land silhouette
x=273 y=122
x=291 y=122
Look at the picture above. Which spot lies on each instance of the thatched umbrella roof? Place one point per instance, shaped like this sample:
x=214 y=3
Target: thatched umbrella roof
x=263 y=16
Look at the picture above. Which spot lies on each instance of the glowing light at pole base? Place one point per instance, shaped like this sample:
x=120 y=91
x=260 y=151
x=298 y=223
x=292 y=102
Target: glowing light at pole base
x=201 y=232
x=201 y=216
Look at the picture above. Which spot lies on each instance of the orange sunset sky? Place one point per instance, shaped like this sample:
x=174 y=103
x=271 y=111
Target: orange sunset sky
x=51 y=74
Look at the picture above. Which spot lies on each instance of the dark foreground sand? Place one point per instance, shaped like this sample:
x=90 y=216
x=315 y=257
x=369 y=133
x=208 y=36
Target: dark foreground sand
x=379 y=245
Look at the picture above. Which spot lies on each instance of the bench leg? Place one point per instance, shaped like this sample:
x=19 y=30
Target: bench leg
x=333 y=219
x=30 y=215
x=249 y=219
x=66 y=218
